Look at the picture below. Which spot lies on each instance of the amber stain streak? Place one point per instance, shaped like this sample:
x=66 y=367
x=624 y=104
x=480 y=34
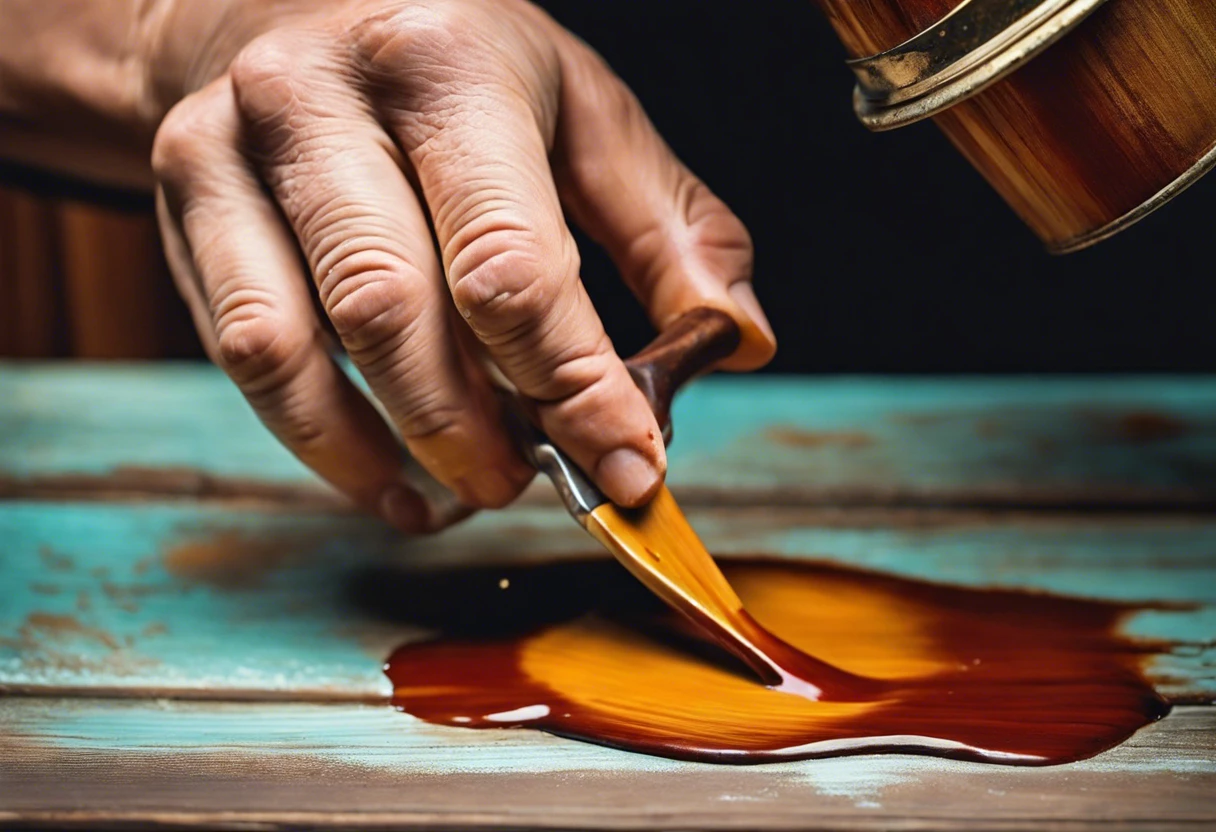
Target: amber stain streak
x=582 y=650
x=689 y=581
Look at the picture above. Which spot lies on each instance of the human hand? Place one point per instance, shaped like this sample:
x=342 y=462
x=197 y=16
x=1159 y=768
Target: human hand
x=413 y=160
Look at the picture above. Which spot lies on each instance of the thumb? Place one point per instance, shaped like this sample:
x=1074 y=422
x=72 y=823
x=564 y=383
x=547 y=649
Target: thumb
x=676 y=244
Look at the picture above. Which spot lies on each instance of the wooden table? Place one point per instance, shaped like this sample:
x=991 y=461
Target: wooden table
x=153 y=682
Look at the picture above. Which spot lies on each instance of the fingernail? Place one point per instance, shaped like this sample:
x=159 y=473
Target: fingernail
x=743 y=294
x=402 y=507
x=627 y=477
x=489 y=488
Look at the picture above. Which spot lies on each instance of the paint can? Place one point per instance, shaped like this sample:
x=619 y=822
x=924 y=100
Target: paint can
x=1085 y=115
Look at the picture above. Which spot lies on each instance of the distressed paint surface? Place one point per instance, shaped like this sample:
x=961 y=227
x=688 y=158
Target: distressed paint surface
x=132 y=601
x=218 y=601
x=65 y=418
x=352 y=765
x=1012 y=440
x=762 y=439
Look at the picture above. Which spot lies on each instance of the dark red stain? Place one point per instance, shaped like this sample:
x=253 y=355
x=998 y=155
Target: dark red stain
x=1011 y=677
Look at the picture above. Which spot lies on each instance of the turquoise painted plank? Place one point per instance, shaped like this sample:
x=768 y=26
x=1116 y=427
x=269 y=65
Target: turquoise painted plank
x=298 y=765
x=126 y=596
x=1037 y=440
x=757 y=439
x=74 y=418
x=88 y=600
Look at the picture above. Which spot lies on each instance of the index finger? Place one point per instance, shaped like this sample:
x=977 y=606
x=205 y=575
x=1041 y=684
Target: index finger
x=512 y=267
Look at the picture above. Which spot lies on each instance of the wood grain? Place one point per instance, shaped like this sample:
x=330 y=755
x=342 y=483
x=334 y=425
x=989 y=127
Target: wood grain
x=85 y=280
x=116 y=284
x=92 y=763
x=1084 y=134
x=867 y=27
x=1099 y=123
x=29 y=278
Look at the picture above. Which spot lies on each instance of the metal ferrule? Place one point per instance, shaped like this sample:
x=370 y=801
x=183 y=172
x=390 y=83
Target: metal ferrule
x=577 y=493
x=977 y=44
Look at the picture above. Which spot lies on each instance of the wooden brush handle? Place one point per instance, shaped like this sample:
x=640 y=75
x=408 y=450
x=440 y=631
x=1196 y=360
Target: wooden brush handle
x=692 y=344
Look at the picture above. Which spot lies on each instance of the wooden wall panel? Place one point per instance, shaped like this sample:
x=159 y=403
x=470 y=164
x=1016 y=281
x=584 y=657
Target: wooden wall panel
x=87 y=281
x=30 y=323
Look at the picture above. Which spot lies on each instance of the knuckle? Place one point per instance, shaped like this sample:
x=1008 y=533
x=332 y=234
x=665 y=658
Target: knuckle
x=382 y=42
x=735 y=230
x=254 y=348
x=263 y=354
x=265 y=77
x=431 y=416
x=581 y=382
x=416 y=34
x=373 y=304
x=505 y=284
x=177 y=145
x=563 y=374
x=295 y=422
x=713 y=224
x=594 y=401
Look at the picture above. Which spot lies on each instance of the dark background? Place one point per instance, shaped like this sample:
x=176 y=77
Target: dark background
x=876 y=253
x=887 y=252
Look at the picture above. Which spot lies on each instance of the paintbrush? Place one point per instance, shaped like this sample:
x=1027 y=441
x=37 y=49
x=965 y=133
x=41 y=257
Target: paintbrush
x=656 y=542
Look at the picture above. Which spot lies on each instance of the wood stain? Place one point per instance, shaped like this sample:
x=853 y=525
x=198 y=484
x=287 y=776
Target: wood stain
x=581 y=649
x=659 y=547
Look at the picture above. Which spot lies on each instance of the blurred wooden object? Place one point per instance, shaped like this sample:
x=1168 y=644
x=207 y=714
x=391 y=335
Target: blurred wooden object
x=1099 y=131
x=29 y=278
x=1083 y=140
x=85 y=281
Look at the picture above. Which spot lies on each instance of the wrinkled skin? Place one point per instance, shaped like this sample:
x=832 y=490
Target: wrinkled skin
x=416 y=162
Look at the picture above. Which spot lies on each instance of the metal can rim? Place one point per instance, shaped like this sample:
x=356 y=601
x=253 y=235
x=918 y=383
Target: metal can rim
x=977 y=44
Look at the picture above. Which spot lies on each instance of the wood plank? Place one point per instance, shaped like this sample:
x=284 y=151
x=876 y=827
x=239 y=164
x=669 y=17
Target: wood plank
x=31 y=322
x=209 y=601
x=67 y=762
x=1132 y=441
x=975 y=441
x=119 y=297
x=78 y=421
x=85 y=279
